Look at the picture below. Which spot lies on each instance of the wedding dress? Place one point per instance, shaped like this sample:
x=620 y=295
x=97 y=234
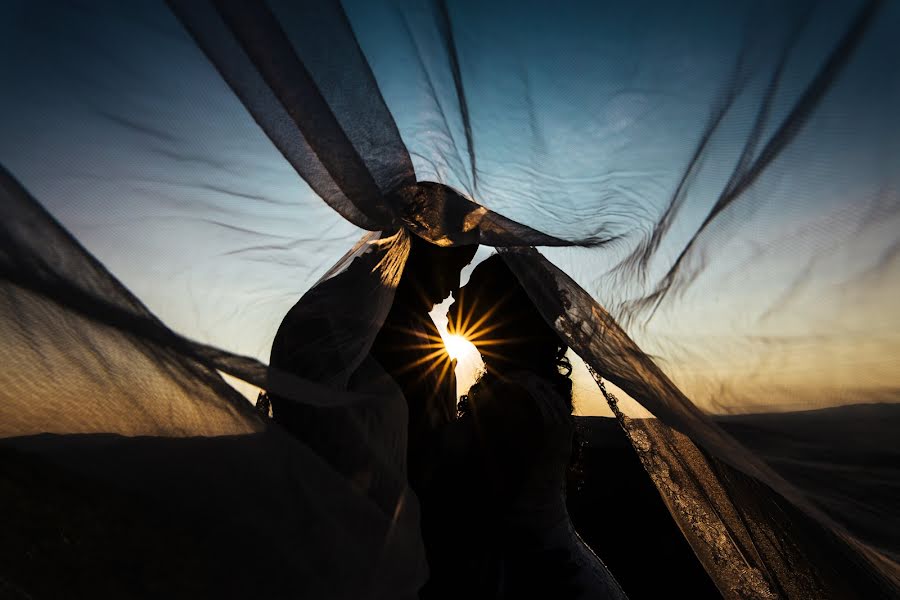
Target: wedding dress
x=514 y=446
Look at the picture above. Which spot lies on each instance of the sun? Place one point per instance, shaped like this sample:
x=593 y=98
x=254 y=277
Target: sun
x=457 y=346
x=469 y=363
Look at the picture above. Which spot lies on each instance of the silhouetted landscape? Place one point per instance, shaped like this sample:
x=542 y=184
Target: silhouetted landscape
x=72 y=534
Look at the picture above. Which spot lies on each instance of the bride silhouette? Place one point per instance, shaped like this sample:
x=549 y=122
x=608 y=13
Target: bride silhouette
x=512 y=446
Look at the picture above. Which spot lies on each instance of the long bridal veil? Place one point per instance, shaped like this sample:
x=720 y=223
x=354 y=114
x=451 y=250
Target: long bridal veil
x=702 y=199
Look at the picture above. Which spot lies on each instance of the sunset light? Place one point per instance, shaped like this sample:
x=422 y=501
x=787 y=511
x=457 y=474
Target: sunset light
x=458 y=346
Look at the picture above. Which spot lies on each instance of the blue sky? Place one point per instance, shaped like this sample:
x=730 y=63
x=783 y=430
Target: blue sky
x=583 y=121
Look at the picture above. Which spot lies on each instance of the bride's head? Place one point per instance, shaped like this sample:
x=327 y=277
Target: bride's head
x=494 y=312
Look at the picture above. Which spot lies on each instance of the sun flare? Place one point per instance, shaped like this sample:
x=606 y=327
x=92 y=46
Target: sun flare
x=458 y=346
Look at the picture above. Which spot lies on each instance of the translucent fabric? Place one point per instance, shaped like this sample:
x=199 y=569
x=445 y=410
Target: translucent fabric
x=97 y=386
x=716 y=186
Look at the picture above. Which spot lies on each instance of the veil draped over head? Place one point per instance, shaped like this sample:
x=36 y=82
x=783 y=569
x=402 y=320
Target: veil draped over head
x=715 y=189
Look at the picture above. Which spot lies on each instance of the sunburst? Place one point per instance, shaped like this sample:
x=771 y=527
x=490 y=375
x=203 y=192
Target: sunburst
x=479 y=332
x=471 y=336
x=457 y=346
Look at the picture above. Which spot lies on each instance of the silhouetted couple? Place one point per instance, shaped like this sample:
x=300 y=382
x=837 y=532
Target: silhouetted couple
x=490 y=477
x=489 y=473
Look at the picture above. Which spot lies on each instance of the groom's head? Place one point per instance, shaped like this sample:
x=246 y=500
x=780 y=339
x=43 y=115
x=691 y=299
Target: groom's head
x=432 y=272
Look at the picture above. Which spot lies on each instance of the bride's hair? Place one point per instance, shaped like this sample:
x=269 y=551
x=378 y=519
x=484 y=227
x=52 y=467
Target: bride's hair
x=515 y=334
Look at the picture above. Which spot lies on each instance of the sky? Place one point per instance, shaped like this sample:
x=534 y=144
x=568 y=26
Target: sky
x=583 y=120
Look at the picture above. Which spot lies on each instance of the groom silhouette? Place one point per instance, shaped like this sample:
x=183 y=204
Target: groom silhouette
x=410 y=349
